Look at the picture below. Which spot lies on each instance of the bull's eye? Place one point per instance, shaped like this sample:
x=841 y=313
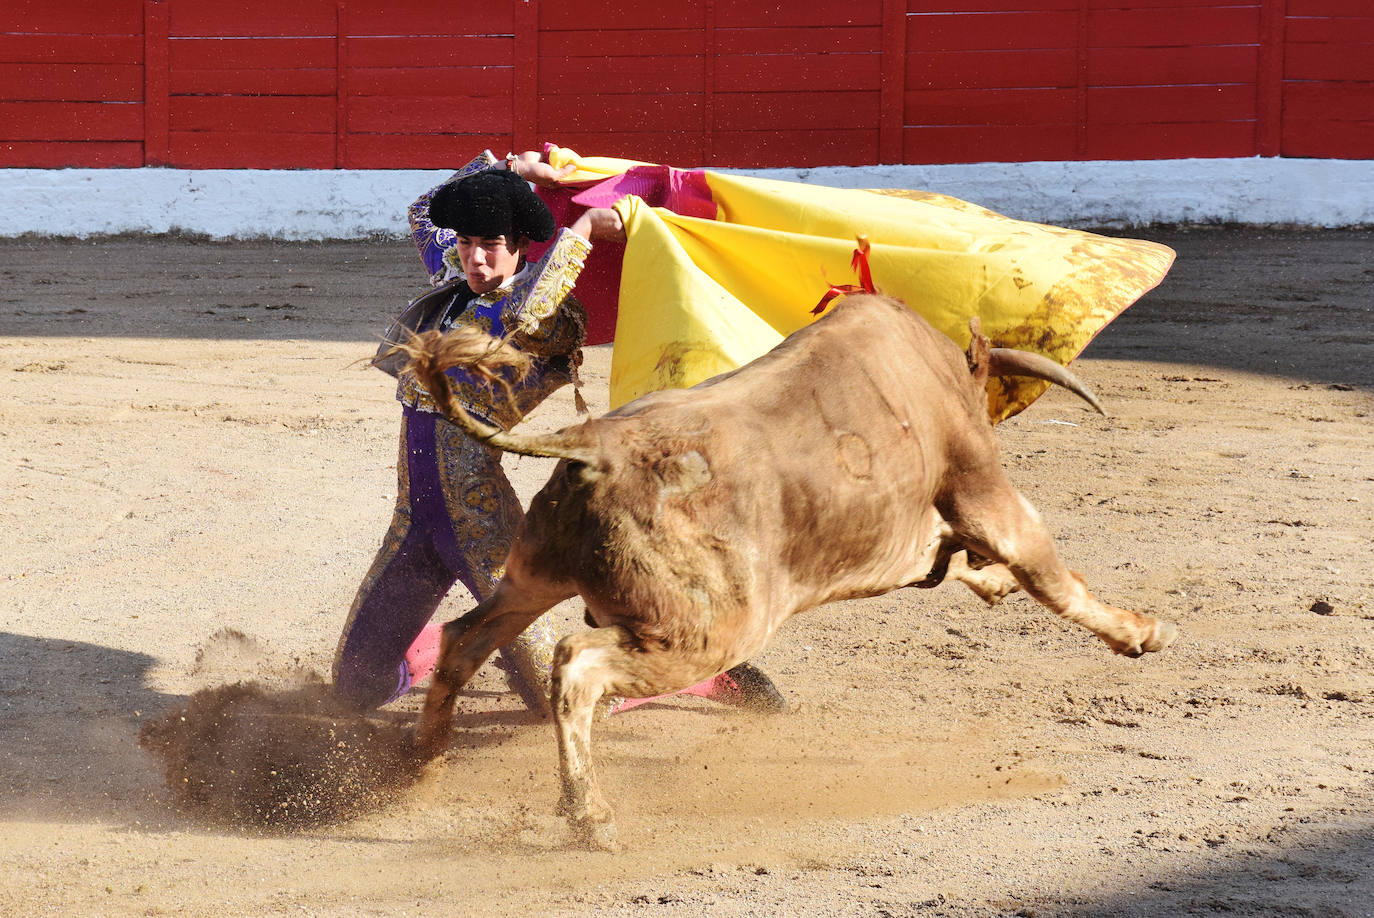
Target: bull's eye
x=580 y=474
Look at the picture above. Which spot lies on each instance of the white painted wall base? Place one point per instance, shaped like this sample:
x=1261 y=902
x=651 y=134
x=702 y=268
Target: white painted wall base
x=326 y=204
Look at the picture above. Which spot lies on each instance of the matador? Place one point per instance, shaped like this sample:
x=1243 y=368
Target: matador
x=456 y=512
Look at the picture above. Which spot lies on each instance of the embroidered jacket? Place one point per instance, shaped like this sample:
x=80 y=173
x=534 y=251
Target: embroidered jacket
x=535 y=311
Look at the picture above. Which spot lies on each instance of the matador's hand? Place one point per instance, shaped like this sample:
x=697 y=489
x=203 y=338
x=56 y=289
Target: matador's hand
x=531 y=167
x=600 y=223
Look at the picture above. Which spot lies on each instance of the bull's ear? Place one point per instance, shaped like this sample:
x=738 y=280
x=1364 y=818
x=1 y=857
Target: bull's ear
x=979 y=352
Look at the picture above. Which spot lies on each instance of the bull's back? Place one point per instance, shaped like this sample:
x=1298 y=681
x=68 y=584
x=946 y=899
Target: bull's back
x=824 y=454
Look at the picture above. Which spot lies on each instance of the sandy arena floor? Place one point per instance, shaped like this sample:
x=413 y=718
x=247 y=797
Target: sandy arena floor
x=194 y=475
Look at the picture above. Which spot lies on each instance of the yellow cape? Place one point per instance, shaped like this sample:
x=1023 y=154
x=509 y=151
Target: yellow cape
x=700 y=297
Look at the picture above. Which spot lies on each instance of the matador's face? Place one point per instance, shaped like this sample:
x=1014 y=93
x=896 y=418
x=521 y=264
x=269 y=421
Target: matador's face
x=490 y=261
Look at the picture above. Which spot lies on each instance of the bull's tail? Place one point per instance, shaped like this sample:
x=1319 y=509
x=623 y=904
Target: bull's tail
x=431 y=353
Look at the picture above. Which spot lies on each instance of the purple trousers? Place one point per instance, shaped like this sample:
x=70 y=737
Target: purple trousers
x=454 y=520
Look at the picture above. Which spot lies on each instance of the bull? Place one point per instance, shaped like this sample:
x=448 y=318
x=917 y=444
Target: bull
x=855 y=458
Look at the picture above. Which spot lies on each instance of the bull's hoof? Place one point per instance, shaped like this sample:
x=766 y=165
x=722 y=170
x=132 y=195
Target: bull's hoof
x=1162 y=634
x=427 y=744
x=596 y=835
x=1165 y=633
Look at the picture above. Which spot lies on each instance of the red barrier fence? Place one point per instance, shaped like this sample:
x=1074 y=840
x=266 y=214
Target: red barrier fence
x=326 y=84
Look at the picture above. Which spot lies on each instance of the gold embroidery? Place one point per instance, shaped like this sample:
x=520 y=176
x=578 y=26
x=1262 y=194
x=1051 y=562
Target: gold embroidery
x=548 y=285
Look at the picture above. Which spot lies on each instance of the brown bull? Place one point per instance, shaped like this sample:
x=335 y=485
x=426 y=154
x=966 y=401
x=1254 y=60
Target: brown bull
x=853 y=459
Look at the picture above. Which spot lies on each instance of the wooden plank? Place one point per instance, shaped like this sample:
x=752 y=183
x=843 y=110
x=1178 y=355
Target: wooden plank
x=251 y=54
x=260 y=18
x=1172 y=66
x=425 y=17
x=992 y=32
x=430 y=81
x=1188 y=27
x=670 y=74
x=1171 y=104
x=595 y=113
x=991 y=6
x=683 y=149
x=619 y=44
x=1328 y=8
x=156 y=84
x=71 y=121
x=780 y=149
x=72 y=82
x=798 y=41
x=1167 y=7
x=413 y=115
x=317 y=82
x=839 y=72
x=1328 y=62
x=1002 y=106
x=427 y=150
x=253 y=114
x=251 y=150
x=1328 y=138
x=988 y=143
x=111 y=17
x=576 y=15
x=1335 y=30
x=467 y=51
x=1055 y=67
x=795 y=111
x=814 y=14
x=72 y=49
x=1181 y=140
x=1329 y=101
x=79 y=154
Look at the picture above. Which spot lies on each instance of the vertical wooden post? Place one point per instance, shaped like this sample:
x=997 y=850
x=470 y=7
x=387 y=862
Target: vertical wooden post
x=892 y=89
x=525 y=88
x=708 y=84
x=1269 y=80
x=156 y=84
x=1080 y=140
x=341 y=87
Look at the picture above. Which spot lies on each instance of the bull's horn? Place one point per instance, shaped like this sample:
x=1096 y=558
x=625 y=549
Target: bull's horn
x=1005 y=361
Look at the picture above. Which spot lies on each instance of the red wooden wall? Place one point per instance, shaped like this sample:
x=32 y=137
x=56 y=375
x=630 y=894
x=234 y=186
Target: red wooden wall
x=420 y=83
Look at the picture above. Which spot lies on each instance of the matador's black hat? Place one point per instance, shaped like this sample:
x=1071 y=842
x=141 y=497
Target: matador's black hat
x=491 y=203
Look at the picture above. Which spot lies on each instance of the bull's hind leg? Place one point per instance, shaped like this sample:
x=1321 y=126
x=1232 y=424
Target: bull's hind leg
x=996 y=521
x=467 y=643
x=586 y=666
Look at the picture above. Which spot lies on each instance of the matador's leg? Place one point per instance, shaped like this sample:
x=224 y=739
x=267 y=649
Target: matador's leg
x=399 y=594
x=484 y=512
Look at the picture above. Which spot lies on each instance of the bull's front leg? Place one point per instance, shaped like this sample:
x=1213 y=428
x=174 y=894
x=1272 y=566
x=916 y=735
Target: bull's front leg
x=467 y=643
x=999 y=523
x=992 y=582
